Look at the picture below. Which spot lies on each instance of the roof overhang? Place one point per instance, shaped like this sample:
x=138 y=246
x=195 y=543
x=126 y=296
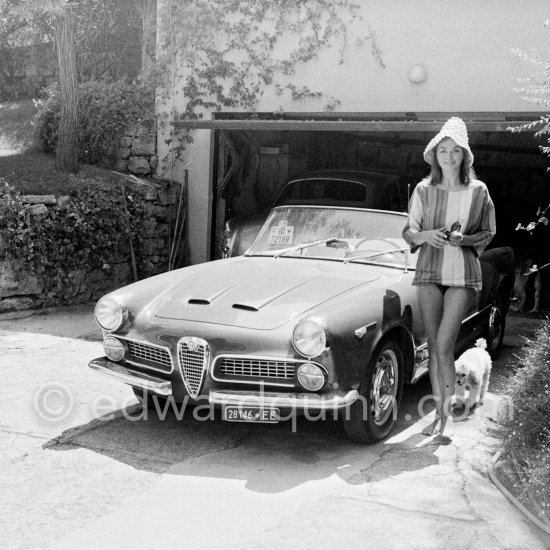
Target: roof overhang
x=358 y=122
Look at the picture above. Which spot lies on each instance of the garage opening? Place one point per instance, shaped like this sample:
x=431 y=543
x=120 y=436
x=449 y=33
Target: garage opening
x=254 y=157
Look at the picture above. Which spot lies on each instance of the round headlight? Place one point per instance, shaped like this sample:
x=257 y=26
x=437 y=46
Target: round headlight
x=309 y=338
x=312 y=377
x=114 y=349
x=109 y=314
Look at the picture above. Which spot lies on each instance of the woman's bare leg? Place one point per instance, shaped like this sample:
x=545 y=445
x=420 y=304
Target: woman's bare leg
x=455 y=306
x=430 y=300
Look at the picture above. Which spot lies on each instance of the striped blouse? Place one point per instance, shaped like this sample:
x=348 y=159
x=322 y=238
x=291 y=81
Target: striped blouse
x=432 y=208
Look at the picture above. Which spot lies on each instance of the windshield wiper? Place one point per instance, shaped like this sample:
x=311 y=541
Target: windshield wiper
x=332 y=241
x=375 y=254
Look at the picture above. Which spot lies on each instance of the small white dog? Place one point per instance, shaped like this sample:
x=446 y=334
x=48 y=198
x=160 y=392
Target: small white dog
x=473 y=369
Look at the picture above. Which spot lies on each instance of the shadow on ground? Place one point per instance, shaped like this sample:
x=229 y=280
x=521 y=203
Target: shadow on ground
x=275 y=457
x=269 y=457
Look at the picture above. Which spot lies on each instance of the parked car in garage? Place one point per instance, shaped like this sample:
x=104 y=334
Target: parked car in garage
x=364 y=188
x=319 y=315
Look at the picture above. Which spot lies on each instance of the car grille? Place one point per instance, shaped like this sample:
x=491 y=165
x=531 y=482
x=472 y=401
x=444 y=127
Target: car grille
x=149 y=355
x=193 y=355
x=252 y=369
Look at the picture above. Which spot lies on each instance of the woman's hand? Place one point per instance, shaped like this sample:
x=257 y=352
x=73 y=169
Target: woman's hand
x=455 y=238
x=435 y=237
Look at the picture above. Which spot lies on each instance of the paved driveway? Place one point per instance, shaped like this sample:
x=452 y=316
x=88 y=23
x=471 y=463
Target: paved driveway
x=82 y=468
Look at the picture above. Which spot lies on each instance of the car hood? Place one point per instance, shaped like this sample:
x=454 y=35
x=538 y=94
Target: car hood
x=259 y=293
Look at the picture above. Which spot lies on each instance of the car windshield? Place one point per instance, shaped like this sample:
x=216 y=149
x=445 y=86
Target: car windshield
x=345 y=234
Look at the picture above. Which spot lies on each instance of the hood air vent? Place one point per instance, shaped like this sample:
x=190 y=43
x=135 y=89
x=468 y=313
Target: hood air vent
x=245 y=307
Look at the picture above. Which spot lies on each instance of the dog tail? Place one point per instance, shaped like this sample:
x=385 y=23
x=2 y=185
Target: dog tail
x=481 y=343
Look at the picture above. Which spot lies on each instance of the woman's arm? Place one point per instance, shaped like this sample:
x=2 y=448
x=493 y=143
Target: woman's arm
x=434 y=237
x=413 y=232
x=487 y=227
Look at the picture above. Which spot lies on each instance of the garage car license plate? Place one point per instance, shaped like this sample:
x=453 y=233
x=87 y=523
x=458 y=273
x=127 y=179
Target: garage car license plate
x=236 y=413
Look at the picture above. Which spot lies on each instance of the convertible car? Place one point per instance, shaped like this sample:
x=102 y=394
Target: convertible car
x=319 y=315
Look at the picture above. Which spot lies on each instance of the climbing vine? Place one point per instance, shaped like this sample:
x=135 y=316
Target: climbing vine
x=221 y=54
x=231 y=50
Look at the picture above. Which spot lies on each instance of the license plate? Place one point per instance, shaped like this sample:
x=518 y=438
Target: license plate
x=236 y=413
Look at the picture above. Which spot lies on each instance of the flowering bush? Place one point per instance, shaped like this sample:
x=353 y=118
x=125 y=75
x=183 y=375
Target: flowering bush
x=541 y=215
x=527 y=427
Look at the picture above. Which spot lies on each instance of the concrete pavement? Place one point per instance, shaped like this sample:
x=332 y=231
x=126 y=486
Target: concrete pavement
x=79 y=482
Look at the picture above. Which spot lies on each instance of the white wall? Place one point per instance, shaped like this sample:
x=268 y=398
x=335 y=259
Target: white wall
x=199 y=196
x=465 y=47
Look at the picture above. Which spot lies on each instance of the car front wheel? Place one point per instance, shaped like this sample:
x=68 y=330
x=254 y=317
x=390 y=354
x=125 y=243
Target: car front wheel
x=494 y=332
x=372 y=417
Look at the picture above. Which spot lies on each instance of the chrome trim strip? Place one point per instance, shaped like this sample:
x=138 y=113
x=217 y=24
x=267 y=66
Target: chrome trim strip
x=361 y=331
x=375 y=254
x=146 y=343
x=138 y=380
x=420 y=370
x=488 y=306
x=405 y=267
x=257 y=383
x=310 y=401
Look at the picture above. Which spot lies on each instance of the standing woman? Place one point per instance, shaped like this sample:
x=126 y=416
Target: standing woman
x=451 y=220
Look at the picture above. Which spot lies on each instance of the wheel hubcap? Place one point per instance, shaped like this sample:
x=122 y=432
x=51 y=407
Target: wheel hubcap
x=384 y=387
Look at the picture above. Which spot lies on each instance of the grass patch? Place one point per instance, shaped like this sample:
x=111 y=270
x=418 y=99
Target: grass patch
x=25 y=167
x=34 y=173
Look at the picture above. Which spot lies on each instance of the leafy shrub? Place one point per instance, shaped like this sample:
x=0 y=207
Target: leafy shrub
x=47 y=120
x=93 y=228
x=527 y=427
x=105 y=109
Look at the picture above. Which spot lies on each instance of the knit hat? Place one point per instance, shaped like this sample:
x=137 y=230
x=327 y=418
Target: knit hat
x=455 y=129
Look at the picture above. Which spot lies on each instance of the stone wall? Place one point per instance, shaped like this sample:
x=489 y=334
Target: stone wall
x=21 y=288
x=137 y=152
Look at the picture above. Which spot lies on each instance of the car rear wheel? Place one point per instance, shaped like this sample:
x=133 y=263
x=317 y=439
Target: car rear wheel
x=372 y=417
x=494 y=332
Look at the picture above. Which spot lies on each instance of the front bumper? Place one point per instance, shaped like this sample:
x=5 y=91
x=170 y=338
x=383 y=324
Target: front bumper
x=135 y=379
x=301 y=401
x=243 y=398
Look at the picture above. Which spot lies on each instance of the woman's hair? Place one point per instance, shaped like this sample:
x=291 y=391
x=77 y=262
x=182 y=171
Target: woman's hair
x=466 y=175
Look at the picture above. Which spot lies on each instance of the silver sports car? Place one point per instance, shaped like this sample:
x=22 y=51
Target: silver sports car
x=319 y=315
